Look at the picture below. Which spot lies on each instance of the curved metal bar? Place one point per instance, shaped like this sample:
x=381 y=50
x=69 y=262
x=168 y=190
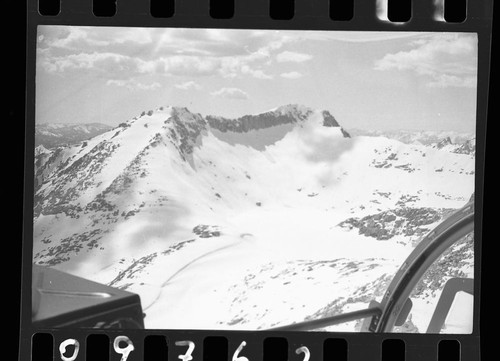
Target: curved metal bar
x=427 y=252
x=450 y=290
x=329 y=321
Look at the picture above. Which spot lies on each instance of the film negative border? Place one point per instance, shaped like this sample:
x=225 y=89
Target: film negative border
x=151 y=345
x=308 y=15
x=394 y=11
x=311 y=15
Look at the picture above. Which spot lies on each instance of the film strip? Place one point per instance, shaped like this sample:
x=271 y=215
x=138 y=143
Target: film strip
x=254 y=180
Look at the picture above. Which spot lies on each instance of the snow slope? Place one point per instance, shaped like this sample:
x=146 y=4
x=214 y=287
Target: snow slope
x=425 y=137
x=242 y=224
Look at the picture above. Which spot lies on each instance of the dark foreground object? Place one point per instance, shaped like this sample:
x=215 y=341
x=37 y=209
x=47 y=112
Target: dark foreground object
x=63 y=300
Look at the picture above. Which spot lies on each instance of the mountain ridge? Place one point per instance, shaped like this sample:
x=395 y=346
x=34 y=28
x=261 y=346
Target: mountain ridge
x=174 y=127
x=286 y=114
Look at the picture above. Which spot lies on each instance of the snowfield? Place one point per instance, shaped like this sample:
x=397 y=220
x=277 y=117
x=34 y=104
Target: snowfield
x=223 y=229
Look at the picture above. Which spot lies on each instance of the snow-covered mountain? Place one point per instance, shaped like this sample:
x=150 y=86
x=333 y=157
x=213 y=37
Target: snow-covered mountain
x=242 y=223
x=51 y=135
x=456 y=142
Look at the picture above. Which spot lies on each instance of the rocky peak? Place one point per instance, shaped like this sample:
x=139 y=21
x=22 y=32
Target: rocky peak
x=468 y=147
x=186 y=128
x=186 y=115
x=444 y=142
x=296 y=111
x=41 y=150
x=345 y=133
x=329 y=120
x=183 y=118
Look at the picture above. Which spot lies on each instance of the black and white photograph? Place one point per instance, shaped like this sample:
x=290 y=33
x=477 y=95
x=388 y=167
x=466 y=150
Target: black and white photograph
x=255 y=179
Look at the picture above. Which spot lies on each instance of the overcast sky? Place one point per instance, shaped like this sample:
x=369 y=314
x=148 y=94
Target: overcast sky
x=369 y=80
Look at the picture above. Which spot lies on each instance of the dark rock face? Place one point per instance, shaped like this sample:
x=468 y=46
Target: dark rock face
x=252 y=122
x=188 y=127
x=289 y=114
x=206 y=231
x=328 y=119
x=68 y=247
x=443 y=143
x=45 y=163
x=64 y=190
x=137 y=266
x=344 y=132
x=468 y=147
x=406 y=221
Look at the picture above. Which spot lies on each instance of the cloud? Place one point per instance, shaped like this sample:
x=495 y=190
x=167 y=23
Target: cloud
x=249 y=44
x=151 y=43
x=256 y=73
x=231 y=67
x=71 y=40
x=133 y=85
x=113 y=63
x=122 y=66
x=189 y=85
x=109 y=63
x=68 y=37
x=291 y=56
x=125 y=53
x=230 y=93
x=292 y=75
x=447 y=60
x=185 y=65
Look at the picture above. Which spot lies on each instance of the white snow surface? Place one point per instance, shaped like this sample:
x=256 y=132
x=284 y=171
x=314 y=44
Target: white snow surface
x=272 y=252
x=425 y=137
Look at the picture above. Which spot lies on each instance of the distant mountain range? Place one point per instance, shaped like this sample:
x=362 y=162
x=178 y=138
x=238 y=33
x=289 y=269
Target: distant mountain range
x=450 y=140
x=55 y=134
x=51 y=135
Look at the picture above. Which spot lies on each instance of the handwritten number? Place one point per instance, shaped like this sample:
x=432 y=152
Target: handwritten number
x=305 y=351
x=187 y=356
x=66 y=343
x=125 y=351
x=237 y=352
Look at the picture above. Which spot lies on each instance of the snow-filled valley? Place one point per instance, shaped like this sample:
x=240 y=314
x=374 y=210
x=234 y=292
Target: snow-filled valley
x=247 y=223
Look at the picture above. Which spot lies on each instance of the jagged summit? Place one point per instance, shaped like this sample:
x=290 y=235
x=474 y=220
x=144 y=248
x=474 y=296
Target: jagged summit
x=41 y=150
x=293 y=110
x=168 y=110
x=444 y=142
x=173 y=110
x=329 y=120
x=282 y=115
x=468 y=147
x=193 y=123
x=185 y=115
